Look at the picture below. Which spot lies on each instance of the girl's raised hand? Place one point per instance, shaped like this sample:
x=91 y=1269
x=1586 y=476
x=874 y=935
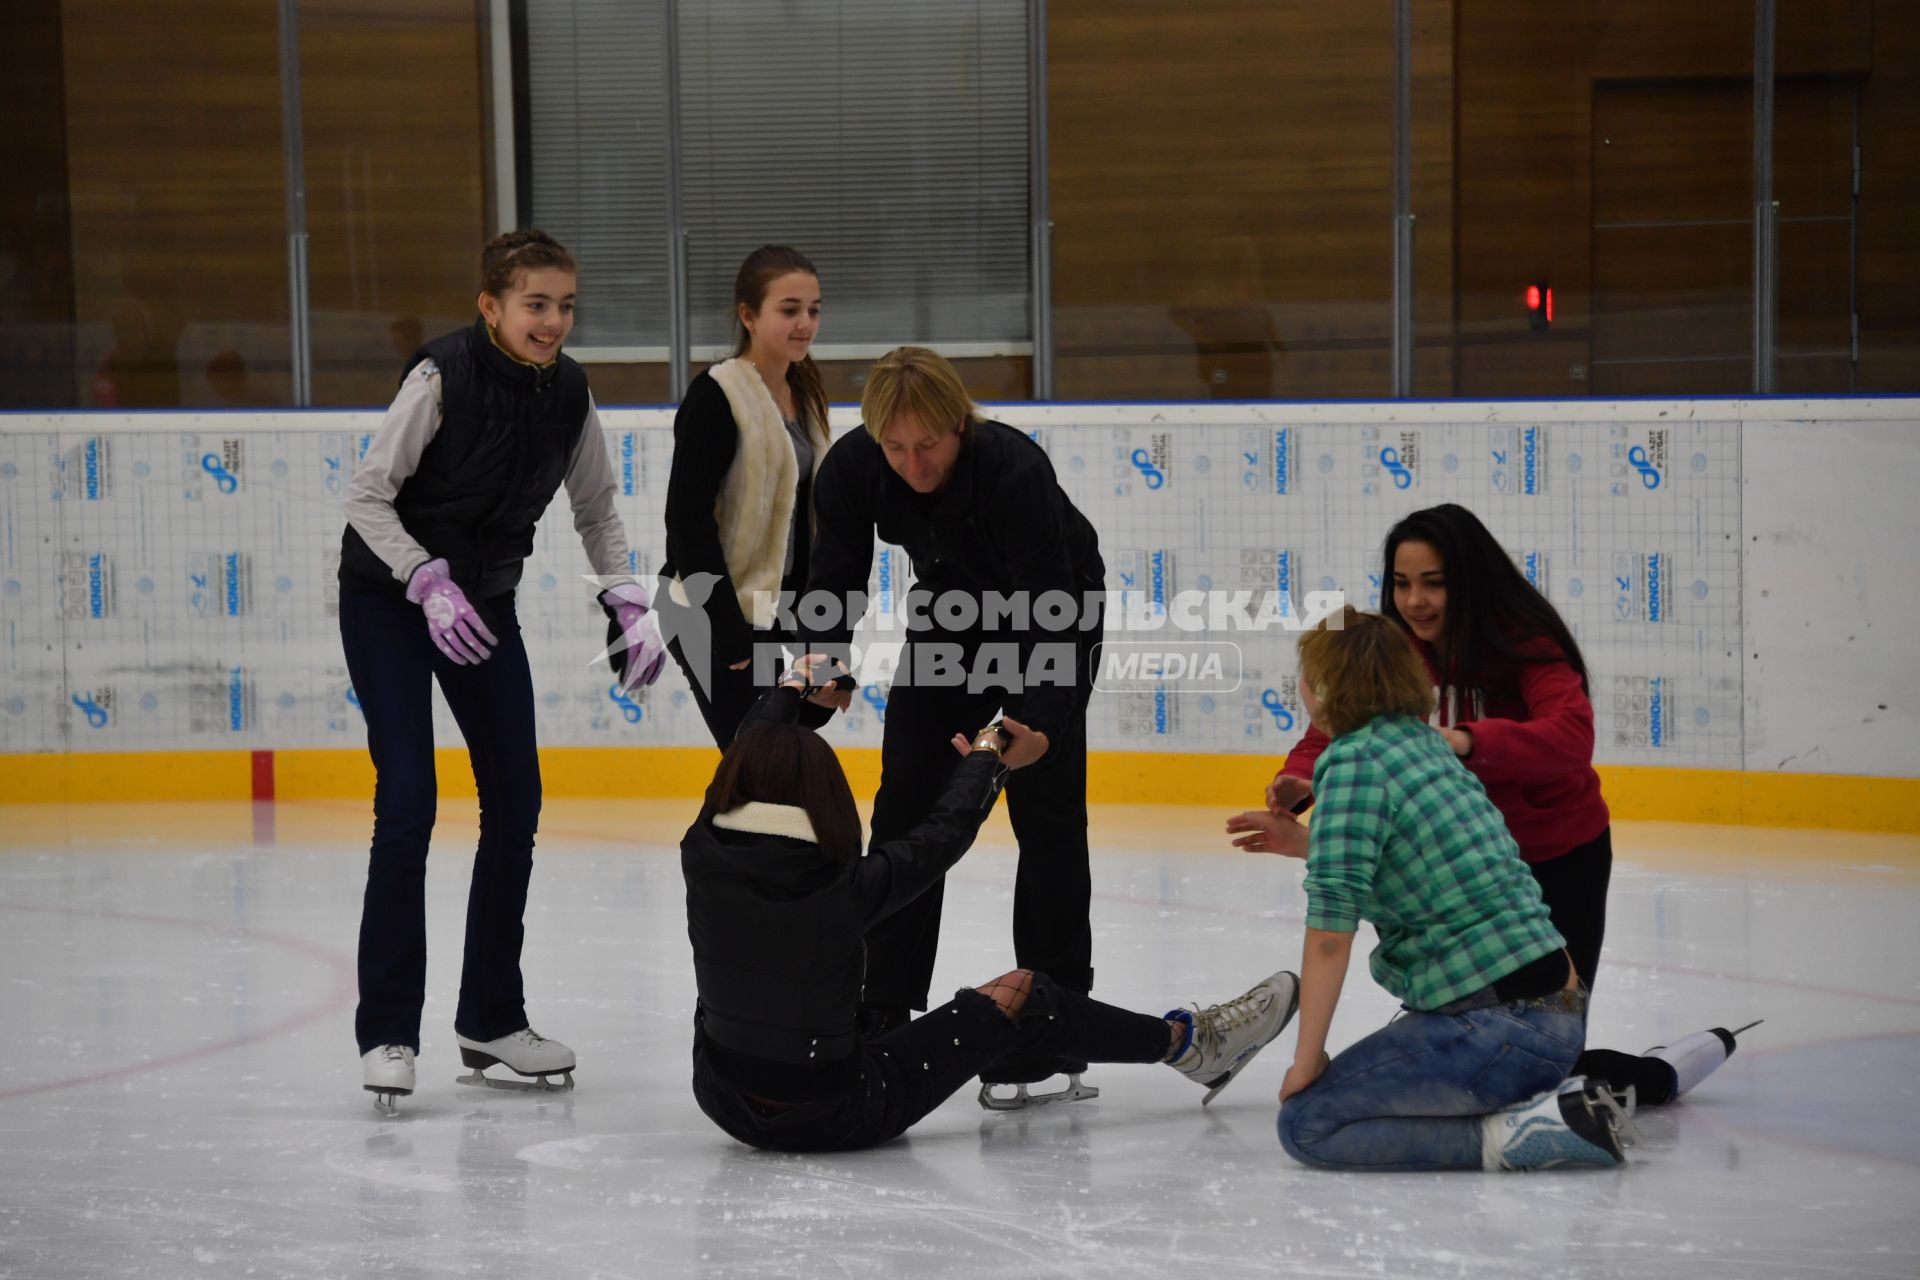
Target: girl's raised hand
x=1263 y=832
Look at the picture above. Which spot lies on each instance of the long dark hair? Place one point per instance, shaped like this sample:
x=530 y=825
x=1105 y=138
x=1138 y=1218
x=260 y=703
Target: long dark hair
x=763 y=266
x=1492 y=611
x=790 y=764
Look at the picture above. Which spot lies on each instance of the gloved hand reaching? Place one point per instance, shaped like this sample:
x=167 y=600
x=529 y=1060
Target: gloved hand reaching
x=455 y=625
x=634 y=645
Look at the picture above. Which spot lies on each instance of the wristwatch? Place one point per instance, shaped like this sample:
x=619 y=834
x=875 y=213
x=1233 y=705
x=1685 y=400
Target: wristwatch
x=992 y=738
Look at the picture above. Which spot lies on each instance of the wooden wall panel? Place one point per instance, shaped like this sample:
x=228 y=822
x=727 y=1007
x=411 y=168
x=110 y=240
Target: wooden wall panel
x=36 y=243
x=1527 y=74
x=1221 y=184
x=1672 y=236
x=178 y=192
x=1661 y=40
x=1432 y=147
x=1220 y=176
x=1672 y=152
x=1889 y=263
x=1524 y=171
x=1813 y=181
x=396 y=191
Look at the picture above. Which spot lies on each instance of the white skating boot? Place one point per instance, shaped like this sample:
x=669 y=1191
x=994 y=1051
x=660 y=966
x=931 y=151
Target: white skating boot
x=1695 y=1057
x=1580 y=1122
x=1225 y=1037
x=1665 y=1072
x=386 y=1072
x=526 y=1052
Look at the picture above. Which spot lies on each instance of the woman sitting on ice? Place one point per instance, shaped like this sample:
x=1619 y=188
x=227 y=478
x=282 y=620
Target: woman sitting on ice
x=779 y=898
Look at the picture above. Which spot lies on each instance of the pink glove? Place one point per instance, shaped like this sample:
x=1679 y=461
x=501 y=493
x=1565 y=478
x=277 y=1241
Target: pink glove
x=455 y=625
x=634 y=645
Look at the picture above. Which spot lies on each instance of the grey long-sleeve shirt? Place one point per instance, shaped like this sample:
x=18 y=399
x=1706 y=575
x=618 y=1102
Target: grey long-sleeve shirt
x=394 y=454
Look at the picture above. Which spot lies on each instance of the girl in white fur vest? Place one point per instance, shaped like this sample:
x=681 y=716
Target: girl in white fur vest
x=746 y=442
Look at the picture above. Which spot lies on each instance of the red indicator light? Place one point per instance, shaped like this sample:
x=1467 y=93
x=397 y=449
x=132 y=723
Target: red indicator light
x=1539 y=306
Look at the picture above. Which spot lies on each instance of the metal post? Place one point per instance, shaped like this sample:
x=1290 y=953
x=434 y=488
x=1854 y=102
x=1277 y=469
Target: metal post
x=679 y=313
x=502 y=95
x=1402 y=199
x=1766 y=210
x=1039 y=201
x=293 y=144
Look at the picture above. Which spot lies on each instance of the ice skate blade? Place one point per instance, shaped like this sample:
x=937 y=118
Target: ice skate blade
x=1231 y=1075
x=1023 y=1100
x=384 y=1099
x=479 y=1079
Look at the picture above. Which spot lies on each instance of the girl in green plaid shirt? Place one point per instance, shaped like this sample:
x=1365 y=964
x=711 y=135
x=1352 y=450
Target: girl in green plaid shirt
x=1473 y=1075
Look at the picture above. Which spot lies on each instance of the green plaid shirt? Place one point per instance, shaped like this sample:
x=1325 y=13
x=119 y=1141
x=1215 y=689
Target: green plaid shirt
x=1403 y=836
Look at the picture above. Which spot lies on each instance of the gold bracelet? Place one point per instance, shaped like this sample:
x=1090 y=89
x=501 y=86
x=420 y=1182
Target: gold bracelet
x=992 y=738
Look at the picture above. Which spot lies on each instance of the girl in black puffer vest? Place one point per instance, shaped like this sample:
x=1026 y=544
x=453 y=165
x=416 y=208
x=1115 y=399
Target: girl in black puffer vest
x=489 y=422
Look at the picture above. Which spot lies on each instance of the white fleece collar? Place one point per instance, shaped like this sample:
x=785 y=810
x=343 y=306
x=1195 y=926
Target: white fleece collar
x=760 y=818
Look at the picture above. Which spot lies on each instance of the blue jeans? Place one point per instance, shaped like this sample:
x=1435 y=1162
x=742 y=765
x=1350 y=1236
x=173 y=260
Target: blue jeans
x=394 y=664
x=1410 y=1097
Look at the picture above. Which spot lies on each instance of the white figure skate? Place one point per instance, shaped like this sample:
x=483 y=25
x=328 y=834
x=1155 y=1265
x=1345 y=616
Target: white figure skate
x=525 y=1052
x=1227 y=1036
x=386 y=1072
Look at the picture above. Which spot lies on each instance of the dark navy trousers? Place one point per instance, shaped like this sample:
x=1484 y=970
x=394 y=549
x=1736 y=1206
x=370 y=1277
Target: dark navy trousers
x=393 y=664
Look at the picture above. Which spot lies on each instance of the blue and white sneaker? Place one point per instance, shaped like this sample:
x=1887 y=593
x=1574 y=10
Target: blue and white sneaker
x=1580 y=1122
x=1223 y=1038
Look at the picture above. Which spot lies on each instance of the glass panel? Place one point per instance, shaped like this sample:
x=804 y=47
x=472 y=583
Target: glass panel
x=1221 y=182
x=1888 y=207
x=852 y=332
x=1813 y=131
x=593 y=144
x=887 y=142
x=1610 y=161
x=395 y=153
x=143 y=251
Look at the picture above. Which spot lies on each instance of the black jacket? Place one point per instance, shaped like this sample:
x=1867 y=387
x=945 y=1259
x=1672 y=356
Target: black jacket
x=705 y=439
x=1002 y=524
x=507 y=432
x=778 y=930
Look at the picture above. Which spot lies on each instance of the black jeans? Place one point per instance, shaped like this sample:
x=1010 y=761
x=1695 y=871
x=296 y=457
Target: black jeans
x=1046 y=802
x=911 y=1070
x=393 y=663
x=1575 y=888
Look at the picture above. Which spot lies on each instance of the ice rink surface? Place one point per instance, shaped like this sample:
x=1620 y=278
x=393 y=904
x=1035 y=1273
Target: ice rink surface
x=180 y=1090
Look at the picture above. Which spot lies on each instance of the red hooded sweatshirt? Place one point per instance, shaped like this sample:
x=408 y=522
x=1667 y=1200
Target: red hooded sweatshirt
x=1532 y=750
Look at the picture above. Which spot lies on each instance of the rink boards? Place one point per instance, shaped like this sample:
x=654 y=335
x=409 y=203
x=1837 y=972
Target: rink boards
x=167 y=581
